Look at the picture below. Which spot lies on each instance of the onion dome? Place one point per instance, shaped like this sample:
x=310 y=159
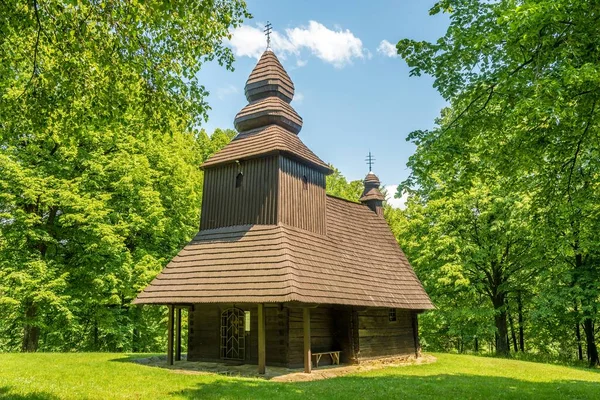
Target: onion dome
x=371 y=191
x=371 y=196
x=269 y=90
x=268 y=79
x=268 y=111
x=268 y=124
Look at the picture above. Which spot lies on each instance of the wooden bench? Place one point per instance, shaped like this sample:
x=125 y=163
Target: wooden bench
x=335 y=357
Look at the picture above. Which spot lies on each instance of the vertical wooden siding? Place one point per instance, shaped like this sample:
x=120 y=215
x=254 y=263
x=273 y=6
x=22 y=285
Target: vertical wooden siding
x=204 y=339
x=301 y=207
x=255 y=202
x=378 y=337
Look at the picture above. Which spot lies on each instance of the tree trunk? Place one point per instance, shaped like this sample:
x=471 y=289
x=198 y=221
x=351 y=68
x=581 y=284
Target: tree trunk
x=502 y=346
x=592 y=350
x=96 y=335
x=136 y=334
x=588 y=323
x=513 y=333
x=579 y=346
x=521 y=328
x=31 y=332
x=512 y=329
x=578 y=332
x=476 y=345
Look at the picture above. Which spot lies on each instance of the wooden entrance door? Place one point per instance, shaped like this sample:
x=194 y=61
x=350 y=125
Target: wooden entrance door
x=233 y=339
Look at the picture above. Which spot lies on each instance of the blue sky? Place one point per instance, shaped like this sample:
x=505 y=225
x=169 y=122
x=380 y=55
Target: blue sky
x=353 y=94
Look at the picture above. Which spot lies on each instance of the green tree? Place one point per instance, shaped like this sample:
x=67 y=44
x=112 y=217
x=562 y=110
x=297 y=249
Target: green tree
x=99 y=178
x=215 y=142
x=523 y=81
x=338 y=186
x=468 y=245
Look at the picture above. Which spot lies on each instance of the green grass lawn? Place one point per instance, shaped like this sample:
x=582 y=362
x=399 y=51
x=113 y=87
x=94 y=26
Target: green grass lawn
x=112 y=376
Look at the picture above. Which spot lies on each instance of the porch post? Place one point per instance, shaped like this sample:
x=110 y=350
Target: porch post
x=307 y=351
x=170 y=336
x=415 y=326
x=261 y=339
x=178 y=335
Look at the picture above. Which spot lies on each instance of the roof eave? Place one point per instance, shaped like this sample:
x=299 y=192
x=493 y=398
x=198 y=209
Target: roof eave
x=324 y=168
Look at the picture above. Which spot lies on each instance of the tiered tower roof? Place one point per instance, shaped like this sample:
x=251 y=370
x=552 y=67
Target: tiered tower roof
x=371 y=191
x=268 y=124
x=268 y=79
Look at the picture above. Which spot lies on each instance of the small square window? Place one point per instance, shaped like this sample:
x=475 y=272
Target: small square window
x=392 y=315
x=304 y=182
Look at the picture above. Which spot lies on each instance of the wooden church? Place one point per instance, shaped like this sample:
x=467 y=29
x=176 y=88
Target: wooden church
x=281 y=273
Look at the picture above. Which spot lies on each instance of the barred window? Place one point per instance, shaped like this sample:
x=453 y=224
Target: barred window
x=392 y=315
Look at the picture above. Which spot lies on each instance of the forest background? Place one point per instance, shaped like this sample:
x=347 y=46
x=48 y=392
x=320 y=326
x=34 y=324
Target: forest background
x=100 y=184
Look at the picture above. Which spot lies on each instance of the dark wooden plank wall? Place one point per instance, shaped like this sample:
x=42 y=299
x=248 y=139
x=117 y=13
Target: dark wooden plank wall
x=299 y=207
x=359 y=335
x=378 y=337
x=255 y=202
x=322 y=329
x=204 y=333
x=345 y=336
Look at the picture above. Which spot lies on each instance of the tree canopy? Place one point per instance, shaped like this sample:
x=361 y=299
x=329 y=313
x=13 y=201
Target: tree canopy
x=99 y=161
x=522 y=79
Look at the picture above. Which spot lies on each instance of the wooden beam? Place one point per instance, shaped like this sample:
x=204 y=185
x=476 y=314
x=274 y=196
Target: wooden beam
x=170 y=336
x=354 y=326
x=178 y=335
x=415 y=326
x=307 y=350
x=262 y=355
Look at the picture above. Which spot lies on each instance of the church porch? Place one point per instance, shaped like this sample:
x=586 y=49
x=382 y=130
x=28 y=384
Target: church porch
x=292 y=333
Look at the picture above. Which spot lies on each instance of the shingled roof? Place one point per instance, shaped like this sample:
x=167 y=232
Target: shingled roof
x=270 y=110
x=262 y=141
x=354 y=260
x=279 y=263
x=269 y=78
x=268 y=124
x=371 y=191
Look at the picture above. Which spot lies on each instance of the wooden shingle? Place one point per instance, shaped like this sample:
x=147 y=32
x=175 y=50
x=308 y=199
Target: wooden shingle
x=280 y=263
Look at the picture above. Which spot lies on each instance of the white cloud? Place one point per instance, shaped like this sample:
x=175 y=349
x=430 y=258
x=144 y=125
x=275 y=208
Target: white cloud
x=247 y=41
x=396 y=203
x=301 y=63
x=223 y=92
x=334 y=47
x=337 y=47
x=298 y=98
x=387 y=49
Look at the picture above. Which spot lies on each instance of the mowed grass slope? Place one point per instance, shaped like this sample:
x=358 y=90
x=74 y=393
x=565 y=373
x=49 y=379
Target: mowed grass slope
x=112 y=376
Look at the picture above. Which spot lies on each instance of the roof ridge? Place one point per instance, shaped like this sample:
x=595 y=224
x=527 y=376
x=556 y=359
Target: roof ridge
x=343 y=199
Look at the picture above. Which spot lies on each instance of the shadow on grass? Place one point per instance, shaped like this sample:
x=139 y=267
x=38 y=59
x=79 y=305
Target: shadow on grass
x=138 y=356
x=8 y=392
x=440 y=386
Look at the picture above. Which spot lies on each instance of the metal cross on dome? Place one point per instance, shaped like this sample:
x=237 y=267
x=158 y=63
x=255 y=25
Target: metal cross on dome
x=370 y=161
x=268 y=30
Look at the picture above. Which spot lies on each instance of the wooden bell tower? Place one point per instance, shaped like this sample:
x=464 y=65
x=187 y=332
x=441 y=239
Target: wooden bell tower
x=266 y=175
